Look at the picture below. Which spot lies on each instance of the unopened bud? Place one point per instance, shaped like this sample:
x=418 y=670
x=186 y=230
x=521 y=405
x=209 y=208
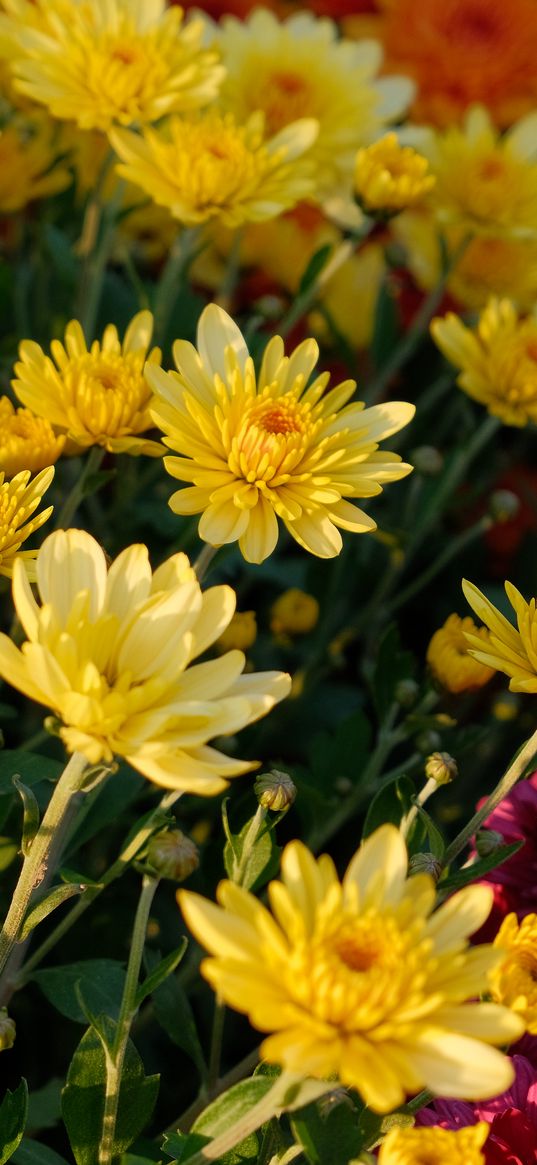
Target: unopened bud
x=425 y=864
x=52 y=725
x=8 y=1031
x=406 y=693
x=427 y=460
x=503 y=505
x=294 y=613
x=240 y=633
x=506 y=707
x=428 y=741
x=173 y=855
x=275 y=790
x=487 y=842
x=441 y=767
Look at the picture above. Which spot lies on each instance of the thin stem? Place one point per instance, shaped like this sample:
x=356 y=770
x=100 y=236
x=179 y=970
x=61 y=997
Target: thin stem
x=74 y=498
x=216 y=1044
x=226 y=292
x=305 y=300
x=98 y=231
x=504 y=786
x=412 y=338
x=407 y=822
x=122 y=863
x=44 y=852
x=116 y=1055
x=204 y=559
x=181 y=254
x=452 y=550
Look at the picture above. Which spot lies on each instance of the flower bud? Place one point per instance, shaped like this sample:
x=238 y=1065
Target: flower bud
x=487 y=842
x=506 y=707
x=240 y=633
x=427 y=460
x=7 y=1031
x=294 y=613
x=173 y=855
x=441 y=767
x=275 y=790
x=428 y=741
x=406 y=693
x=503 y=505
x=425 y=864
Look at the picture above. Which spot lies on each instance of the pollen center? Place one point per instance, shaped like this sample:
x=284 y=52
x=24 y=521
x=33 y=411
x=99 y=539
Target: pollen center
x=358 y=956
x=280 y=420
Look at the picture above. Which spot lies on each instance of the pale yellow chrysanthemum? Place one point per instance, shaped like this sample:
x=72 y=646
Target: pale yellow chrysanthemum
x=28 y=163
x=513 y=982
x=109 y=650
x=19 y=499
x=486 y=182
x=449 y=659
x=300 y=67
x=96 y=396
x=435 y=1146
x=497 y=359
x=360 y=979
x=210 y=167
x=109 y=61
x=26 y=441
x=389 y=177
x=273 y=446
x=509 y=650
x=500 y=266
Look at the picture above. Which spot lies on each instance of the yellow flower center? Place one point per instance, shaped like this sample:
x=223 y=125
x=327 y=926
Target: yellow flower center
x=271 y=440
x=106 y=395
x=284 y=96
x=281 y=418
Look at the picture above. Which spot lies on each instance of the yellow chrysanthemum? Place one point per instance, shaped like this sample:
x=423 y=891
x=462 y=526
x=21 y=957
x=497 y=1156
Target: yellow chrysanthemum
x=389 y=177
x=300 y=67
x=19 y=499
x=497 y=359
x=514 y=981
x=511 y=651
x=26 y=441
x=28 y=163
x=501 y=266
x=209 y=167
x=98 y=396
x=486 y=183
x=109 y=652
x=449 y=659
x=360 y=979
x=109 y=61
x=294 y=613
x=435 y=1146
x=274 y=446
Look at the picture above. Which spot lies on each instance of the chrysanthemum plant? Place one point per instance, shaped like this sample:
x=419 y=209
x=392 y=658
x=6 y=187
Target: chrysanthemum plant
x=233 y=646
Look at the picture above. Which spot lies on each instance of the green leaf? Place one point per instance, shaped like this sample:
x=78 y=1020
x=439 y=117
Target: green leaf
x=83 y=1098
x=390 y=804
x=8 y=852
x=330 y=1137
x=160 y=973
x=262 y=861
x=393 y=665
x=478 y=869
x=32 y=768
x=223 y=1114
x=436 y=841
x=32 y=1153
x=13 y=1114
x=44 y=1106
x=181 y=1146
x=386 y=328
x=31 y=817
x=174 y=1014
x=50 y=901
x=101 y=982
x=314 y=268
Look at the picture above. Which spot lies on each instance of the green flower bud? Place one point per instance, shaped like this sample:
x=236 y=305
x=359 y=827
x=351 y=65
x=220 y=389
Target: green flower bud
x=7 y=1031
x=275 y=790
x=173 y=855
x=441 y=767
x=427 y=460
x=425 y=864
x=503 y=505
x=406 y=693
x=487 y=842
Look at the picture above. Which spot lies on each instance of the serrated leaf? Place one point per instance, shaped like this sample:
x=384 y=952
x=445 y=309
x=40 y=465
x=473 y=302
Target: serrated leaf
x=390 y=804
x=160 y=973
x=174 y=1014
x=479 y=868
x=31 y=816
x=13 y=1114
x=83 y=1098
x=46 y=904
x=101 y=982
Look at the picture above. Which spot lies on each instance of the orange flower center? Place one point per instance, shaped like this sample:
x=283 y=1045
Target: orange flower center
x=280 y=419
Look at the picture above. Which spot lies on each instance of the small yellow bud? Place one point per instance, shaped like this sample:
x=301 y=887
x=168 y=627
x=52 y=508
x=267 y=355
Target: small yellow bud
x=8 y=1031
x=441 y=767
x=173 y=855
x=389 y=177
x=506 y=707
x=275 y=790
x=294 y=613
x=240 y=634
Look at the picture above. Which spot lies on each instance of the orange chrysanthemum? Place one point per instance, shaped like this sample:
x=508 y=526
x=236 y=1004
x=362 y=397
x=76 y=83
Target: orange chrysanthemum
x=463 y=51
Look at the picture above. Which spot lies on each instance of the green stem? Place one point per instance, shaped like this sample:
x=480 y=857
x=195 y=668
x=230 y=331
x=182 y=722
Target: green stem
x=411 y=340
x=452 y=550
x=504 y=786
x=305 y=300
x=98 y=231
x=44 y=852
x=216 y=1044
x=74 y=498
x=407 y=822
x=182 y=252
x=204 y=559
x=116 y=1055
